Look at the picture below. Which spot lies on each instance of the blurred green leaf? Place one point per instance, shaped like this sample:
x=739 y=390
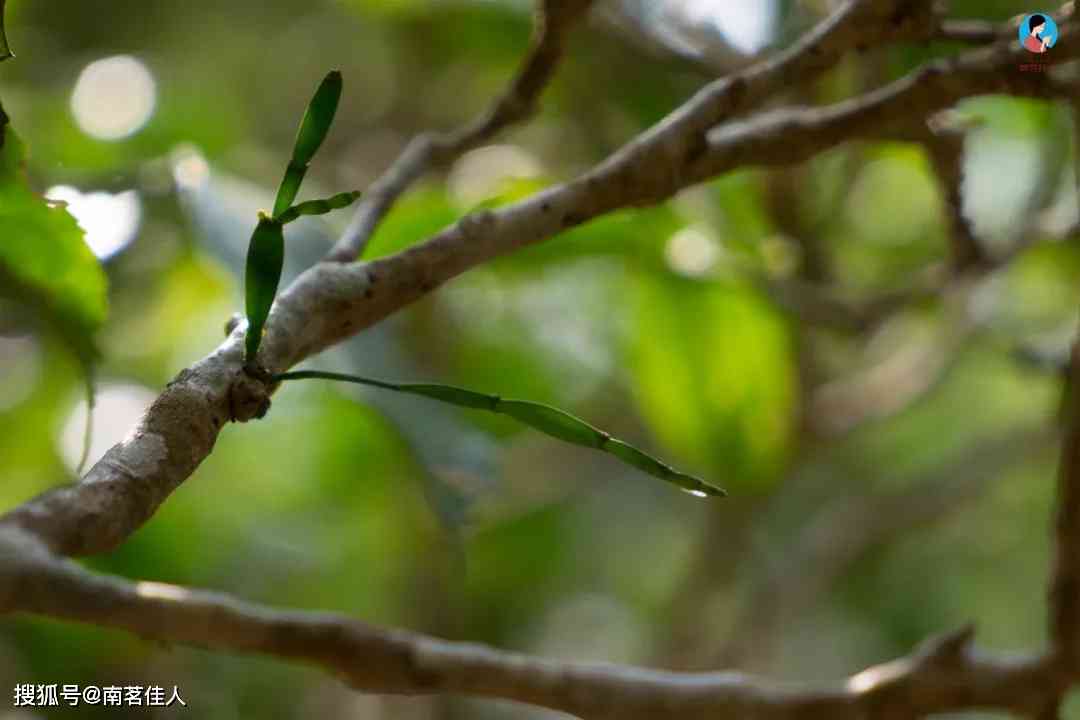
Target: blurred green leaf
x=5 y=49
x=45 y=260
x=548 y=420
x=893 y=222
x=508 y=594
x=714 y=375
x=76 y=157
x=745 y=218
x=640 y=233
x=1039 y=290
x=43 y=257
x=1014 y=116
x=416 y=216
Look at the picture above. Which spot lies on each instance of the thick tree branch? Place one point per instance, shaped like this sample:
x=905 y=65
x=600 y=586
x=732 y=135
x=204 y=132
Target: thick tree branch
x=946 y=674
x=554 y=18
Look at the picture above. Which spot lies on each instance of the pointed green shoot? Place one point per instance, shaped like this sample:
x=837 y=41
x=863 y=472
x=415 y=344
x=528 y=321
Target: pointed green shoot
x=265 y=258
x=313 y=130
x=319 y=207
x=548 y=420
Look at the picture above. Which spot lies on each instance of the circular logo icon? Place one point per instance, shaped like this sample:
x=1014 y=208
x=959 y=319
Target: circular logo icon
x=1038 y=32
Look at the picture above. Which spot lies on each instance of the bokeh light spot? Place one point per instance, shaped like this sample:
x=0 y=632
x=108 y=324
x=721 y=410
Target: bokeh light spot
x=691 y=252
x=482 y=173
x=114 y=97
x=109 y=221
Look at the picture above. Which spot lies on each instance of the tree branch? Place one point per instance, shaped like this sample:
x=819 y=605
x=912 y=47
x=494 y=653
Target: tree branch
x=945 y=145
x=792 y=135
x=945 y=674
x=846 y=529
x=1065 y=576
x=972 y=31
x=554 y=18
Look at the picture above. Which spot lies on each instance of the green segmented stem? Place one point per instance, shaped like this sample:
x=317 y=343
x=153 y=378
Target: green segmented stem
x=546 y=419
x=289 y=187
x=319 y=207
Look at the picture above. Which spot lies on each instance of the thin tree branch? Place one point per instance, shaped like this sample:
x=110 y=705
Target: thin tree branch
x=1065 y=576
x=792 y=135
x=945 y=145
x=846 y=529
x=945 y=674
x=554 y=18
x=906 y=375
x=1074 y=105
x=858 y=23
x=971 y=31
x=982 y=31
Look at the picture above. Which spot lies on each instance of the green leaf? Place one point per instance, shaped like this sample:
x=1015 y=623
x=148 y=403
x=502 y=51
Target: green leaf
x=447 y=394
x=44 y=261
x=548 y=420
x=553 y=422
x=265 y=258
x=5 y=49
x=317 y=120
x=313 y=130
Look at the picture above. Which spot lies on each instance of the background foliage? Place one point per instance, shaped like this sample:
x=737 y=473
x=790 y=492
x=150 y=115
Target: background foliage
x=655 y=324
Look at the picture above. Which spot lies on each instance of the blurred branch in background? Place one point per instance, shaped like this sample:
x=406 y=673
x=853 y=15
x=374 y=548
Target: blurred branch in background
x=835 y=536
x=945 y=146
x=1065 y=578
x=554 y=18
